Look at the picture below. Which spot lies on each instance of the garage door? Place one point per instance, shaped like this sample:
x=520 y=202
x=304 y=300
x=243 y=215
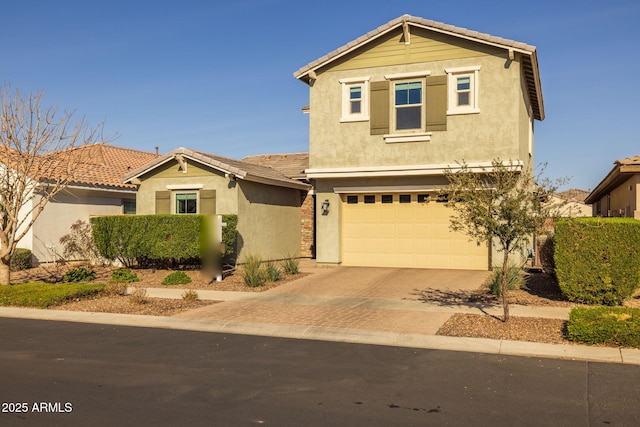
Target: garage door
x=405 y=230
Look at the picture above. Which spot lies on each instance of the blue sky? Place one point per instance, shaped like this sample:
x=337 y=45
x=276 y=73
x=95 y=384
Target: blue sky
x=217 y=76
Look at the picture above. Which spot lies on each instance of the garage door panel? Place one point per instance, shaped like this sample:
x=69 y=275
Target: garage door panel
x=406 y=235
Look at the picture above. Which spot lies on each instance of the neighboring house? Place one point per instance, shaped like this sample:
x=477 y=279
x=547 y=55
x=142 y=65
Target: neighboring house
x=388 y=113
x=573 y=203
x=94 y=190
x=618 y=194
x=267 y=202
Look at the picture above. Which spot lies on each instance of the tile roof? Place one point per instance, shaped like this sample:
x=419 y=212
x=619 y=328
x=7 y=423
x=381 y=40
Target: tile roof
x=292 y=165
x=629 y=161
x=530 y=58
x=102 y=165
x=573 y=195
x=241 y=169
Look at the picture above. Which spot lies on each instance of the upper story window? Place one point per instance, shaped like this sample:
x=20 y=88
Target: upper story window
x=408 y=106
x=463 y=90
x=355 y=99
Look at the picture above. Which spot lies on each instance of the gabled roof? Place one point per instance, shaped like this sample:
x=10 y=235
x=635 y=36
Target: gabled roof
x=291 y=165
x=622 y=170
x=236 y=168
x=529 y=55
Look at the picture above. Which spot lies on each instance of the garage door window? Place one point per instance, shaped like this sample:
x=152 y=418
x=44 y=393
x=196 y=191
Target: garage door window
x=405 y=198
x=387 y=198
x=352 y=200
x=369 y=199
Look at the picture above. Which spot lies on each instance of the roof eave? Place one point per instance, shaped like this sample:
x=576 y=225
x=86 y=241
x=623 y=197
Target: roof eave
x=614 y=178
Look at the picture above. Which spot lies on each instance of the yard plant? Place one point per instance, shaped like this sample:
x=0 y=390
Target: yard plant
x=252 y=272
x=176 y=278
x=597 y=260
x=123 y=275
x=79 y=274
x=43 y=295
x=619 y=326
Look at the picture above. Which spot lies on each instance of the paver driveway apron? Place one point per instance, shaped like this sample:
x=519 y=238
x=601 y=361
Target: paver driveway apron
x=383 y=299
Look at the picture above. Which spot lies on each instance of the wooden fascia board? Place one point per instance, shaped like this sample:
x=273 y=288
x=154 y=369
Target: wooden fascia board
x=293 y=184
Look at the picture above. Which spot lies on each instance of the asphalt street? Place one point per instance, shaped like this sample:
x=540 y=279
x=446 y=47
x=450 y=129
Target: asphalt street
x=59 y=373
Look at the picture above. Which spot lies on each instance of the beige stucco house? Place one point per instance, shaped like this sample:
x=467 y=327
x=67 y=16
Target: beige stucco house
x=95 y=189
x=388 y=113
x=267 y=202
x=618 y=194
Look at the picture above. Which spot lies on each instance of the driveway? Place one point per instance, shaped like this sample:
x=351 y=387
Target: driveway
x=381 y=282
x=382 y=299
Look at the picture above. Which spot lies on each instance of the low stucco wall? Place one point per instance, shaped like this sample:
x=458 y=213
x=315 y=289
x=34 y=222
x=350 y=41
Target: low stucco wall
x=268 y=221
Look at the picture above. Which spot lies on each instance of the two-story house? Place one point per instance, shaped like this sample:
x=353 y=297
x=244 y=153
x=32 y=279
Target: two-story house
x=389 y=112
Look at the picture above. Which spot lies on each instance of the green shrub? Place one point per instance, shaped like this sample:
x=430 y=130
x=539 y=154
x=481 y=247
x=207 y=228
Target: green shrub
x=252 y=273
x=79 y=274
x=42 y=295
x=229 y=233
x=271 y=272
x=176 y=278
x=21 y=259
x=155 y=239
x=123 y=275
x=618 y=326
x=597 y=260
x=290 y=265
x=515 y=279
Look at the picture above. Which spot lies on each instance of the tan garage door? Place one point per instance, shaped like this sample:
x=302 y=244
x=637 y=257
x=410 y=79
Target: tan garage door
x=405 y=230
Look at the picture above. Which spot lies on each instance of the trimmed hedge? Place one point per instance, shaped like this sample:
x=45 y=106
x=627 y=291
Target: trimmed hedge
x=619 y=326
x=152 y=239
x=597 y=260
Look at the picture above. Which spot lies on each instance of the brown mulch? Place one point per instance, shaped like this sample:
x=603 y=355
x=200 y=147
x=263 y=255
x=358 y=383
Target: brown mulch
x=125 y=305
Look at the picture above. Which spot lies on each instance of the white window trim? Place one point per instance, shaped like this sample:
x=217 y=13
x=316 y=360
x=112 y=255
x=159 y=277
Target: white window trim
x=409 y=75
x=185 y=186
x=454 y=73
x=404 y=135
x=347 y=84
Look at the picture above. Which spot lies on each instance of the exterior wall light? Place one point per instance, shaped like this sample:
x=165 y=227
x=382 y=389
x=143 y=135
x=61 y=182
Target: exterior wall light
x=324 y=208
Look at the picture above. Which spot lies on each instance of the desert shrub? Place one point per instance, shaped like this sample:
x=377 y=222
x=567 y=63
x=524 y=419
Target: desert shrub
x=79 y=244
x=21 y=259
x=515 y=279
x=138 y=296
x=619 y=326
x=176 y=278
x=115 y=289
x=190 y=295
x=597 y=260
x=290 y=265
x=79 y=274
x=123 y=275
x=252 y=272
x=38 y=294
x=271 y=272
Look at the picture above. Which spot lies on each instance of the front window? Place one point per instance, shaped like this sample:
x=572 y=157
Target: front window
x=186 y=203
x=408 y=105
x=463 y=90
x=355 y=102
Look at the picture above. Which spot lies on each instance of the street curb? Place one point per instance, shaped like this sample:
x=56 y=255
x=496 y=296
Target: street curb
x=358 y=336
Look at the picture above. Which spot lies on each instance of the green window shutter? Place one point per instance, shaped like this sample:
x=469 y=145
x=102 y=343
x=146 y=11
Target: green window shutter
x=379 y=108
x=163 y=202
x=208 y=202
x=436 y=103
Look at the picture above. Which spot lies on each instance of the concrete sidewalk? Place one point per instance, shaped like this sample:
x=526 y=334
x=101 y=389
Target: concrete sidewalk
x=319 y=307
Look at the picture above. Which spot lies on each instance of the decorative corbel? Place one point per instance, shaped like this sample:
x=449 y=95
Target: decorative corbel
x=405 y=32
x=182 y=162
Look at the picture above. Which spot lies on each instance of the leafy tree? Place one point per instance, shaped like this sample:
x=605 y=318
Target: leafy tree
x=505 y=204
x=37 y=161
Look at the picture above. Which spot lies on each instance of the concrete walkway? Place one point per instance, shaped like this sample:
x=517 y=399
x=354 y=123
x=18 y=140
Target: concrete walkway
x=359 y=305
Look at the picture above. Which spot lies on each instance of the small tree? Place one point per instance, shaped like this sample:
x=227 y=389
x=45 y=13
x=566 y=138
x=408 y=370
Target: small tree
x=37 y=161
x=505 y=204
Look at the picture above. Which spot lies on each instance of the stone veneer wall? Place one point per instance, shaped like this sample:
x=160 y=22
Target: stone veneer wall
x=307 y=223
